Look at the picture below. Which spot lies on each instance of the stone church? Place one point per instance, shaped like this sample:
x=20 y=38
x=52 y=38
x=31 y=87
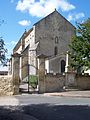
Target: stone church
x=48 y=38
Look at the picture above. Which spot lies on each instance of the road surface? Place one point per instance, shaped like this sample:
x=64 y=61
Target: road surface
x=40 y=107
x=29 y=99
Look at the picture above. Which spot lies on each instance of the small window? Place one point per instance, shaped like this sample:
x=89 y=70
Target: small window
x=63 y=66
x=56 y=40
x=55 y=51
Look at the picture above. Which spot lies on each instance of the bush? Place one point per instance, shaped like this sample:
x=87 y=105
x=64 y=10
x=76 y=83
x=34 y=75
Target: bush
x=33 y=81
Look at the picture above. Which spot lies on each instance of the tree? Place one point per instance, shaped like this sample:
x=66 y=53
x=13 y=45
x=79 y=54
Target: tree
x=3 y=59
x=80 y=47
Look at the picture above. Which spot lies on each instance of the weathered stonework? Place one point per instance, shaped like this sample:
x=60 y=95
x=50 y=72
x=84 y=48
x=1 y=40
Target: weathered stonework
x=41 y=74
x=24 y=66
x=70 y=79
x=54 y=83
x=6 y=85
x=50 y=82
x=53 y=27
x=83 y=82
x=15 y=72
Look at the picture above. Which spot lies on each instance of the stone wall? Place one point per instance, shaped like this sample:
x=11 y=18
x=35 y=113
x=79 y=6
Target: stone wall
x=6 y=85
x=24 y=66
x=52 y=27
x=54 y=83
x=70 y=79
x=83 y=82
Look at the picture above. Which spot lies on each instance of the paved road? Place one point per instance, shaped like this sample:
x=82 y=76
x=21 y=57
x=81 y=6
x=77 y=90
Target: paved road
x=42 y=99
x=40 y=107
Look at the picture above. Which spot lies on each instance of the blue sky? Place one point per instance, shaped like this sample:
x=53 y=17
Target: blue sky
x=22 y=14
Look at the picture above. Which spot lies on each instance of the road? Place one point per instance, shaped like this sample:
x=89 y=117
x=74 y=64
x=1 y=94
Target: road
x=44 y=108
x=29 y=99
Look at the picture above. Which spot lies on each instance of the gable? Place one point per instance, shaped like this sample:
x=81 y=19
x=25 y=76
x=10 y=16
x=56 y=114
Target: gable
x=53 y=31
x=58 y=17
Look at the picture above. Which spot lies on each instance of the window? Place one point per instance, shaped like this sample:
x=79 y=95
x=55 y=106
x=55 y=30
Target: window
x=56 y=39
x=63 y=66
x=55 y=50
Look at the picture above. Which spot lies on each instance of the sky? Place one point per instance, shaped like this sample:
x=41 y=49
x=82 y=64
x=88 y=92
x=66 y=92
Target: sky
x=19 y=15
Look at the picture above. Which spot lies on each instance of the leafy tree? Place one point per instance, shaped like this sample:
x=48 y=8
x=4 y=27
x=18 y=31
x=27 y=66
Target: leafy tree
x=3 y=59
x=80 y=47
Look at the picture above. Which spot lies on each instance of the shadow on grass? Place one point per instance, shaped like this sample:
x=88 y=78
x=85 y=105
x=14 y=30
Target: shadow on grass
x=45 y=112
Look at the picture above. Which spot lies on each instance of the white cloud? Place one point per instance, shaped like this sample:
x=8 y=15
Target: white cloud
x=24 y=23
x=74 y=16
x=66 y=6
x=80 y=15
x=23 y=5
x=41 y=8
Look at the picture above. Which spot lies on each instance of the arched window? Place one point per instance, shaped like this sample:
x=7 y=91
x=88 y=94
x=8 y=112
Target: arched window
x=63 y=66
x=55 y=50
x=56 y=39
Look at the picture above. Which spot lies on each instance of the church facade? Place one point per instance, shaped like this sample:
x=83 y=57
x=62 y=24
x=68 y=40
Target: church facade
x=50 y=37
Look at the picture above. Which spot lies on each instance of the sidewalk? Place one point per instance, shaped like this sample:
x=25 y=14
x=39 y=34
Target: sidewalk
x=83 y=94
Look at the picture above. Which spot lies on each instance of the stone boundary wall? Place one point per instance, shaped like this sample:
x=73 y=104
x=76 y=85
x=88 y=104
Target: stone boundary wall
x=6 y=85
x=80 y=81
x=83 y=82
x=54 y=83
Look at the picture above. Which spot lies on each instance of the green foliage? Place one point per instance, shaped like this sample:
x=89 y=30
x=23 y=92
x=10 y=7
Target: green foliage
x=33 y=81
x=80 y=47
x=3 y=59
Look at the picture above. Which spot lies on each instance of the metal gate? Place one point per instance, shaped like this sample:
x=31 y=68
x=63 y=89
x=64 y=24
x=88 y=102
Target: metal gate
x=28 y=83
